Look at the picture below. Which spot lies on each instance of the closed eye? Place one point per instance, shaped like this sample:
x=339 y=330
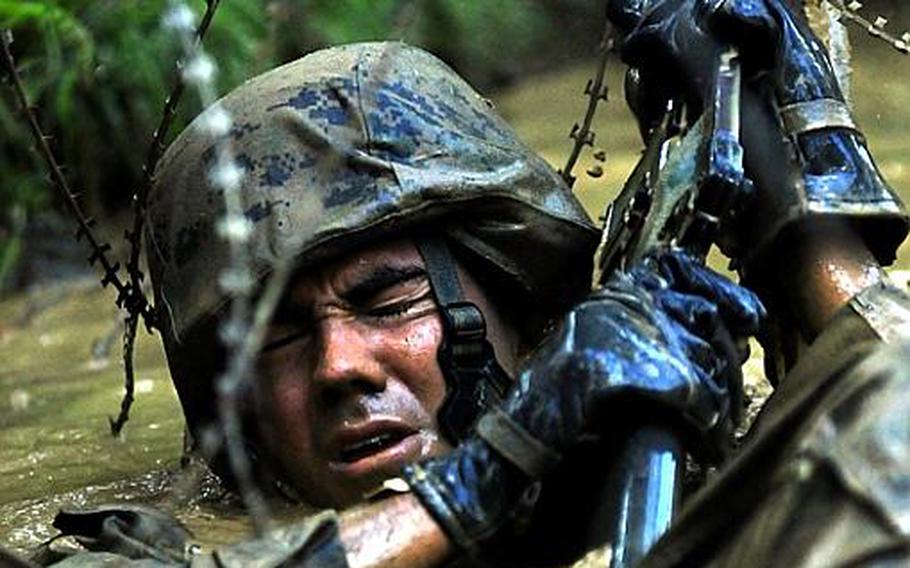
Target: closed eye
x=383 y=296
x=285 y=340
x=400 y=308
x=290 y=322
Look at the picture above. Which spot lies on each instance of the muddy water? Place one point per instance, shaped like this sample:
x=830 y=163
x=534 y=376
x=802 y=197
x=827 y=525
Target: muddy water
x=60 y=380
x=55 y=398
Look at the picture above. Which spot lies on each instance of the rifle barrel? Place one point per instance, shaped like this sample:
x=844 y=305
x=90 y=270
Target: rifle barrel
x=647 y=480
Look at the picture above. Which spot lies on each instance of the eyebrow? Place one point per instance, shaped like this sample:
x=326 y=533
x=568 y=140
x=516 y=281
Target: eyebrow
x=378 y=279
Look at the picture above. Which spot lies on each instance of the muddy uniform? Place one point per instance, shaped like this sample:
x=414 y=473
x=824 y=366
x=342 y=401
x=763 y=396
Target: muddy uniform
x=824 y=478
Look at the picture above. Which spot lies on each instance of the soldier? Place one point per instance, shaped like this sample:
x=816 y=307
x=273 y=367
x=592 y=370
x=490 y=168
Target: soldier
x=432 y=251
x=431 y=248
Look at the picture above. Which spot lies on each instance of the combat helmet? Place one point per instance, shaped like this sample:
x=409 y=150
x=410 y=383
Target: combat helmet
x=344 y=146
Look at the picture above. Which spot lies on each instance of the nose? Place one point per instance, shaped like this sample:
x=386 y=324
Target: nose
x=347 y=361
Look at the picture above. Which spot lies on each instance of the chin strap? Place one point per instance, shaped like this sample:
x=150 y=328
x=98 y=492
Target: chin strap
x=474 y=379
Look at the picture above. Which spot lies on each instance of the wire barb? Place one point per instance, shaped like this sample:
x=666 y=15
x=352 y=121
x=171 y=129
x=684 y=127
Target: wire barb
x=875 y=28
x=596 y=90
x=243 y=325
x=135 y=296
x=99 y=251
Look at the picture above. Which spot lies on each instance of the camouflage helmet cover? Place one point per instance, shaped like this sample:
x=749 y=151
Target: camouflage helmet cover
x=355 y=142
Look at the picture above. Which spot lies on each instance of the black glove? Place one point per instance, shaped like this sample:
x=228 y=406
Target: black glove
x=661 y=335
x=802 y=148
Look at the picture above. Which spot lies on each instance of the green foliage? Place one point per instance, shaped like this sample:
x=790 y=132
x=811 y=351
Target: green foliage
x=11 y=243
x=485 y=40
x=98 y=71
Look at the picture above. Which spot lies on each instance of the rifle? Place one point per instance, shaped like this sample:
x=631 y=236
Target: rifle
x=688 y=183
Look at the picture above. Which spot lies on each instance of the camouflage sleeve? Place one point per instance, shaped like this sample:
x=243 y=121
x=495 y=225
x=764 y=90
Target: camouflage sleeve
x=824 y=478
x=140 y=537
x=310 y=543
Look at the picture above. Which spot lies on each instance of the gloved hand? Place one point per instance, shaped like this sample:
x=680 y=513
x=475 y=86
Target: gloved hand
x=661 y=336
x=802 y=149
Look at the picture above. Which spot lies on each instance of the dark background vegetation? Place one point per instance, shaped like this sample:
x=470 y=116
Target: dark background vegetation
x=98 y=71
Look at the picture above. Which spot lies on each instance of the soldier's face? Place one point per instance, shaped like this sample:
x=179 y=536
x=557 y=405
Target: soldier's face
x=350 y=379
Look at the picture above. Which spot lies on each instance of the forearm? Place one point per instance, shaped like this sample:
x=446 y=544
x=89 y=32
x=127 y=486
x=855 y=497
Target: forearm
x=393 y=533
x=819 y=267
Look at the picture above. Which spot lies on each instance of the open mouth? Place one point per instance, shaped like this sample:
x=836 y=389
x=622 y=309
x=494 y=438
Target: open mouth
x=375 y=444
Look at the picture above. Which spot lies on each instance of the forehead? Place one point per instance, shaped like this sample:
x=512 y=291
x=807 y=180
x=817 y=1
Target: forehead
x=357 y=265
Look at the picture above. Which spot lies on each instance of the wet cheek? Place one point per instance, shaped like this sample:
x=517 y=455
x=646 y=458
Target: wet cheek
x=417 y=366
x=286 y=409
x=285 y=394
x=287 y=429
x=423 y=338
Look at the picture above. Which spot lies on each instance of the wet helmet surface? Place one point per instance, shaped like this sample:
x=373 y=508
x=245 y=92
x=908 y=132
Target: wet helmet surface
x=350 y=144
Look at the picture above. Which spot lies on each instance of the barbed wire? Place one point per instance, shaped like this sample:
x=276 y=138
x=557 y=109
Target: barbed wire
x=596 y=90
x=876 y=28
x=130 y=295
x=127 y=297
x=243 y=328
x=134 y=236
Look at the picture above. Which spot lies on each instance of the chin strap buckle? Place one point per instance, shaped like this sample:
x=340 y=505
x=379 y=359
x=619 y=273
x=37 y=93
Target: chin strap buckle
x=466 y=330
x=475 y=382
